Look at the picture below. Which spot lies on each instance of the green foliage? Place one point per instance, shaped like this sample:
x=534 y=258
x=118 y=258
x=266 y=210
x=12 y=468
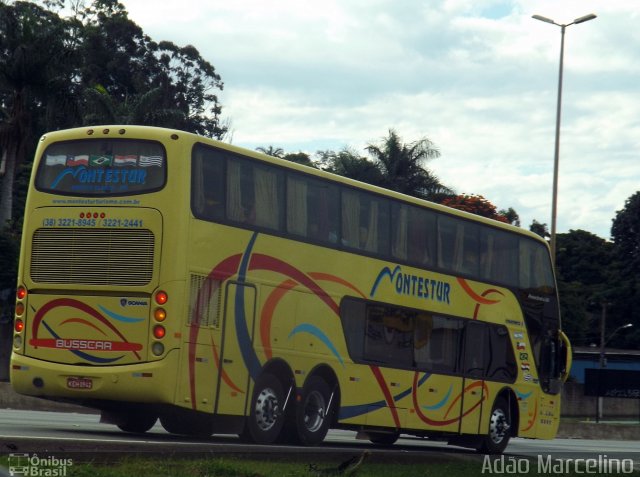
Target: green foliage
x=625 y=298
x=403 y=166
x=583 y=266
x=348 y=163
x=541 y=229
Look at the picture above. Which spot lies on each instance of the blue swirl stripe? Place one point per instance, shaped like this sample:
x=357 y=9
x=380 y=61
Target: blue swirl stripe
x=117 y=317
x=315 y=331
x=438 y=405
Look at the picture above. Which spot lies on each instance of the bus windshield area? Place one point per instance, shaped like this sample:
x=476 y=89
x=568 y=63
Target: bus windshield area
x=102 y=167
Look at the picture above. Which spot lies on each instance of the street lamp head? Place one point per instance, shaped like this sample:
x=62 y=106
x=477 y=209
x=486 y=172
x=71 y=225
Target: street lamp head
x=544 y=19
x=585 y=18
x=628 y=325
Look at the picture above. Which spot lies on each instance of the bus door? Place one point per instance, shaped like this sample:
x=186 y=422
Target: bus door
x=474 y=363
x=237 y=346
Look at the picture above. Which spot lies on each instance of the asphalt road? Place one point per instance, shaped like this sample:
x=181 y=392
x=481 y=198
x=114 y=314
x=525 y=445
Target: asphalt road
x=57 y=433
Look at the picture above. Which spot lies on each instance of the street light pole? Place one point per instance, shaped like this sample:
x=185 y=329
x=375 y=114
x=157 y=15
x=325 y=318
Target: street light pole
x=556 y=157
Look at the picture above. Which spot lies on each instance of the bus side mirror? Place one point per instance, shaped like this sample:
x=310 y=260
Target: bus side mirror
x=566 y=356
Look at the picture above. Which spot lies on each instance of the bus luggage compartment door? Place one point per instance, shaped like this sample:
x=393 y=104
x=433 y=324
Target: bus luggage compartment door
x=237 y=355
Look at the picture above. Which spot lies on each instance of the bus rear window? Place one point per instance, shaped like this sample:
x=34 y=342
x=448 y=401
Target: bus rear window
x=102 y=167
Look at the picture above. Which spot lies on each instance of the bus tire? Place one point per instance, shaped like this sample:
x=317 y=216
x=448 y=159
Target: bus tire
x=137 y=423
x=313 y=417
x=499 y=431
x=384 y=439
x=187 y=424
x=266 y=418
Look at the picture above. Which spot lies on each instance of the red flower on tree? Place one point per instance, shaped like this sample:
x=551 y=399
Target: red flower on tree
x=475 y=204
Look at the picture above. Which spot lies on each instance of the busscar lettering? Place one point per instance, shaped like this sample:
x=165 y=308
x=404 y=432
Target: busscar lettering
x=93 y=345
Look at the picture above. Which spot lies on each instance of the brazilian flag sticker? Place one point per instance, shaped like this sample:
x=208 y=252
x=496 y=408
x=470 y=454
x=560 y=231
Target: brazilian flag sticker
x=100 y=161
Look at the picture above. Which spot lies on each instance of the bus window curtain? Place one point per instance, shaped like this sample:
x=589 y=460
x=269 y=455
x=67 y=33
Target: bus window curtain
x=371 y=241
x=489 y=268
x=458 y=249
x=525 y=265
x=297 y=206
x=399 y=247
x=198 y=184
x=266 y=194
x=234 y=193
x=350 y=219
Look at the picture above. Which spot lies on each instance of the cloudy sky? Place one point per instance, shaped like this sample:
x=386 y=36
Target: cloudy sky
x=478 y=78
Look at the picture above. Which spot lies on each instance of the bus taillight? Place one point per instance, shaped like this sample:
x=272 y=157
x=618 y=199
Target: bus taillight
x=159 y=314
x=161 y=297
x=159 y=332
x=19 y=309
x=18 y=326
x=21 y=293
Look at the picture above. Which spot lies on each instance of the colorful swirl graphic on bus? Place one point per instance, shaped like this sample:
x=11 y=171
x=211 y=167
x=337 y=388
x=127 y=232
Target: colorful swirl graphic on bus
x=113 y=341
x=237 y=266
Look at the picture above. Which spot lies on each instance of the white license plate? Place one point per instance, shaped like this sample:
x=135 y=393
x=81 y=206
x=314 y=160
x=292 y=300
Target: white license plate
x=79 y=383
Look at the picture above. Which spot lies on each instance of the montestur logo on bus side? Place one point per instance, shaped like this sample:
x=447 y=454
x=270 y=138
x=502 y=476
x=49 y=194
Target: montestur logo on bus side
x=414 y=285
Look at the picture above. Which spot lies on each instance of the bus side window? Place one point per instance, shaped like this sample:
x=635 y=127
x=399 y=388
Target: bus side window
x=389 y=336
x=437 y=343
x=207 y=183
x=502 y=362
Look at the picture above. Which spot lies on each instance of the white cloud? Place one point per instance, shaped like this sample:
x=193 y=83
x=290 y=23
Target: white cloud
x=478 y=78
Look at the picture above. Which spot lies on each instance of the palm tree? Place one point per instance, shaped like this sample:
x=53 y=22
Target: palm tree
x=402 y=166
x=348 y=163
x=147 y=108
x=271 y=151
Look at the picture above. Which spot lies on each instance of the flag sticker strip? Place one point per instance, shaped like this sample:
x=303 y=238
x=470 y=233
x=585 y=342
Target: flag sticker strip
x=148 y=161
x=80 y=160
x=100 y=161
x=129 y=160
x=56 y=160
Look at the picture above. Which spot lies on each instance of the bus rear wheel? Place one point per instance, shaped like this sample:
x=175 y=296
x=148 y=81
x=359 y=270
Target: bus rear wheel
x=499 y=431
x=266 y=418
x=384 y=438
x=312 y=413
x=137 y=423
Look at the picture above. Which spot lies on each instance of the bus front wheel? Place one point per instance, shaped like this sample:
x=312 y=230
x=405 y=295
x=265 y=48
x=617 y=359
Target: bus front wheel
x=499 y=431
x=266 y=418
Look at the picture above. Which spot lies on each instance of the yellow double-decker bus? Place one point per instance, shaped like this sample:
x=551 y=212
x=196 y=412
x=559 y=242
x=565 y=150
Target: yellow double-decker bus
x=168 y=276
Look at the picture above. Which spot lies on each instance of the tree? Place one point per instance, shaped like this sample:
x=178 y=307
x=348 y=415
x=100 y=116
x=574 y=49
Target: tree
x=583 y=267
x=300 y=158
x=403 y=166
x=129 y=77
x=475 y=204
x=348 y=163
x=271 y=151
x=36 y=86
x=541 y=229
x=511 y=215
x=625 y=297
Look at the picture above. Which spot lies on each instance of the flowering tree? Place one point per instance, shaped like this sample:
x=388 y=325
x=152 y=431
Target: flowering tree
x=475 y=204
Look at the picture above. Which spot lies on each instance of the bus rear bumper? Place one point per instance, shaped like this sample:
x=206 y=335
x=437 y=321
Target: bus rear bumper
x=151 y=382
